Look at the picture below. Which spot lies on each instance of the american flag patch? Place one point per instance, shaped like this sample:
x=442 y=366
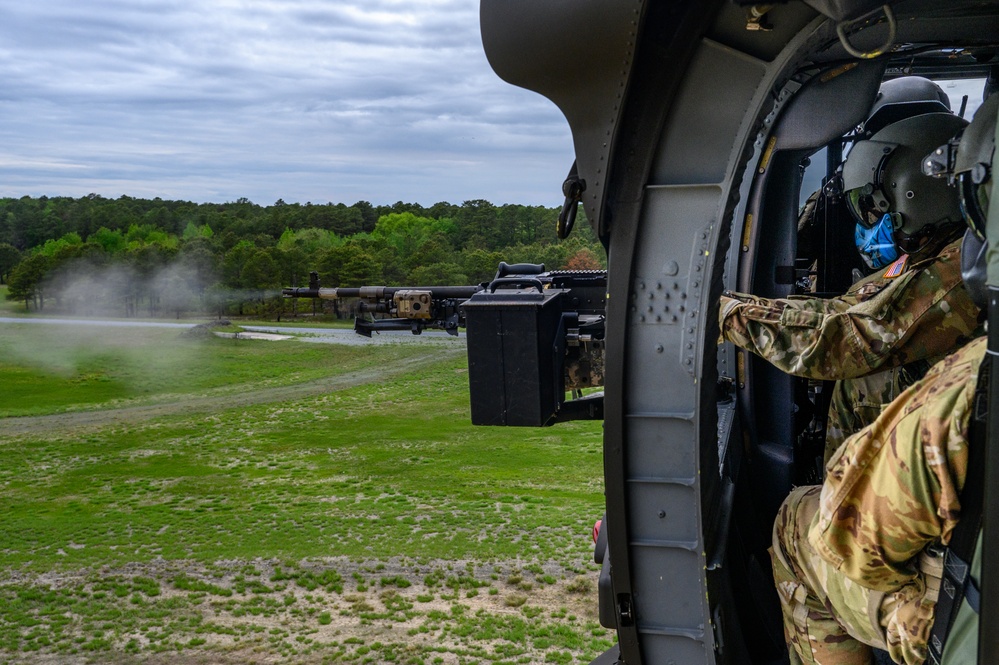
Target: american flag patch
x=895 y=269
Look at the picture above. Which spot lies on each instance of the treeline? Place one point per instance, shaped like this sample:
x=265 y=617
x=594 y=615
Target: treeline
x=130 y=257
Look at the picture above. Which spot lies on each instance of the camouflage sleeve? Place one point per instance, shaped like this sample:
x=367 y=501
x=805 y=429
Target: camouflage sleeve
x=880 y=323
x=893 y=488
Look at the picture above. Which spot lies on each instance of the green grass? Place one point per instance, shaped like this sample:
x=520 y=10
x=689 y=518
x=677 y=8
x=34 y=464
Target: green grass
x=52 y=368
x=381 y=470
x=209 y=531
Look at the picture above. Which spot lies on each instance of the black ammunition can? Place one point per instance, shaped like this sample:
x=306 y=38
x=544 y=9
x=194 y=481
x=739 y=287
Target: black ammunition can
x=516 y=347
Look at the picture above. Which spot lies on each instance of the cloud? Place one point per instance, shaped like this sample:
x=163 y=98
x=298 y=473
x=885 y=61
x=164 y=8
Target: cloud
x=301 y=100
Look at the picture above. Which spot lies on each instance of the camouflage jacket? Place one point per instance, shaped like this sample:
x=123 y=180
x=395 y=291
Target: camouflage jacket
x=881 y=322
x=893 y=488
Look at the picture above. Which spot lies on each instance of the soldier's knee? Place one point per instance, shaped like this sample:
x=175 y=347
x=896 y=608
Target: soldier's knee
x=791 y=523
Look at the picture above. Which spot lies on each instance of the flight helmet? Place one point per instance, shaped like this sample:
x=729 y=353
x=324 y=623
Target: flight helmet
x=973 y=165
x=966 y=160
x=898 y=209
x=903 y=98
x=973 y=171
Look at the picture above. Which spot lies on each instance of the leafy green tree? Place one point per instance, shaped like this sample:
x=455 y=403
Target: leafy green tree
x=192 y=231
x=477 y=225
x=434 y=249
x=354 y=263
x=200 y=264
x=405 y=232
x=9 y=257
x=9 y=232
x=113 y=242
x=293 y=266
x=27 y=279
x=261 y=272
x=438 y=274
x=350 y=220
x=442 y=210
x=360 y=269
x=59 y=246
x=309 y=241
x=234 y=265
x=137 y=233
x=147 y=261
x=262 y=276
x=480 y=265
x=160 y=218
x=368 y=215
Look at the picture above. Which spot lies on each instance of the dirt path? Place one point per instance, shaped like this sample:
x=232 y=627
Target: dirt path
x=189 y=404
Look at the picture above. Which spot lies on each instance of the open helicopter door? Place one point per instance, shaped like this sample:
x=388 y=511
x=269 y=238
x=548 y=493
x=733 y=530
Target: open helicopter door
x=988 y=640
x=672 y=108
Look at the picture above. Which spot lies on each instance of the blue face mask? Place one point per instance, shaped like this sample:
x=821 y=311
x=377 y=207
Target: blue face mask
x=876 y=244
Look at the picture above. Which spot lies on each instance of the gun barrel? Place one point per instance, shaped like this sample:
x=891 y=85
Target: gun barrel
x=388 y=292
x=306 y=292
x=379 y=292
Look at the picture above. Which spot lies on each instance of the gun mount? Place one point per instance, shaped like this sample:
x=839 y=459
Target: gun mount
x=532 y=336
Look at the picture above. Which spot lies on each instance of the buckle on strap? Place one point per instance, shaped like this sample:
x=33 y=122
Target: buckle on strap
x=956 y=574
x=931 y=565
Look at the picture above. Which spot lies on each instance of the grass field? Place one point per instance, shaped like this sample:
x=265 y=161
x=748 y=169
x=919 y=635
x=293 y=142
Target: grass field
x=177 y=500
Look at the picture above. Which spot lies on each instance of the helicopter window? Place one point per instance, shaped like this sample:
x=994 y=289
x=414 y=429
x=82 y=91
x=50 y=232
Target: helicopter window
x=959 y=89
x=813 y=175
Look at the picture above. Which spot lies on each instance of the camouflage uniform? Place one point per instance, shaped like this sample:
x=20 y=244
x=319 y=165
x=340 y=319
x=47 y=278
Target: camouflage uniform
x=895 y=326
x=849 y=557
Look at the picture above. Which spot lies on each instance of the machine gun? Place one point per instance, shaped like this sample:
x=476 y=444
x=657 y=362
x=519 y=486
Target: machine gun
x=532 y=336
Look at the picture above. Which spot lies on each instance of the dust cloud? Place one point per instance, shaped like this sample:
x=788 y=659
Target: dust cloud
x=96 y=345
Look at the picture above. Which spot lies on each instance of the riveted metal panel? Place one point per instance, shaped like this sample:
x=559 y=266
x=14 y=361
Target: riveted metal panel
x=662 y=519
x=666 y=299
x=666 y=454
x=668 y=602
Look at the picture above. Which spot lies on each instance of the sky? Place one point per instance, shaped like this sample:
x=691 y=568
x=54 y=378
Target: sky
x=300 y=100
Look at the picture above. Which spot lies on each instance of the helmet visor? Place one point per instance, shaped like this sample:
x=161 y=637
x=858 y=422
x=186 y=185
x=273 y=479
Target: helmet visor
x=867 y=205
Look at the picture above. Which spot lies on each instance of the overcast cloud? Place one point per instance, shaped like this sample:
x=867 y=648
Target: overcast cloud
x=300 y=100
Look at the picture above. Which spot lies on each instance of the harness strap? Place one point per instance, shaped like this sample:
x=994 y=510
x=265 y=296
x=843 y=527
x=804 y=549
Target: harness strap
x=973 y=596
x=957 y=584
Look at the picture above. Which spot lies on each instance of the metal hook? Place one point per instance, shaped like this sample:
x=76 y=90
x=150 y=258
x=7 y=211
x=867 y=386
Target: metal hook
x=573 y=188
x=892 y=29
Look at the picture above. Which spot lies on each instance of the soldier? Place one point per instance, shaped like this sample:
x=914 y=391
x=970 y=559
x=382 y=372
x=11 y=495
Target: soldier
x=897 y=99
x=851 y=557
x=890 y=326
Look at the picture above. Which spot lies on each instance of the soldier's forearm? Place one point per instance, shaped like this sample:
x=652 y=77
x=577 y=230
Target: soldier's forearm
x=811 y=338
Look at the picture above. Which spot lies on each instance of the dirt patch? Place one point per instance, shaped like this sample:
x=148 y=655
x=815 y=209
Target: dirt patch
x=267 y=611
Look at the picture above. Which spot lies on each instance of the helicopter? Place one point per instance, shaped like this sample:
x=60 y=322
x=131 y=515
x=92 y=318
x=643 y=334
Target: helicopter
x=699 y=128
